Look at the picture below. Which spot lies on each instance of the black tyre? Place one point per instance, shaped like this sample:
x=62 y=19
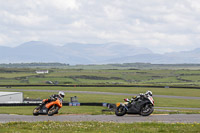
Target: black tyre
x=56 y=112
x=120 y=111
x=53 y=110
x=146 y=110
x=36 y=111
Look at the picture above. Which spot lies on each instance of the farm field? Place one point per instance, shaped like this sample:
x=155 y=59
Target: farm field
x=180 y=77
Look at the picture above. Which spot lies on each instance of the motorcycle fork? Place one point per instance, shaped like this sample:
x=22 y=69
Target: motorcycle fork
x=125 y=107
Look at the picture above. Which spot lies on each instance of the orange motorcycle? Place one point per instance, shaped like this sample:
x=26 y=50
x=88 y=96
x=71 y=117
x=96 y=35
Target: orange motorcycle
x=49 y=108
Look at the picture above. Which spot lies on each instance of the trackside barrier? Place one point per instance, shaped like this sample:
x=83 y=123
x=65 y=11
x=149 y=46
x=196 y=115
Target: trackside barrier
x=154 y=86
x=19 y=104
x=64 y=104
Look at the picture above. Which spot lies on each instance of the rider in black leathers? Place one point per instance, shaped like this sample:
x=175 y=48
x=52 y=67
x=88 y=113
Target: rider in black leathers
x=140 y=96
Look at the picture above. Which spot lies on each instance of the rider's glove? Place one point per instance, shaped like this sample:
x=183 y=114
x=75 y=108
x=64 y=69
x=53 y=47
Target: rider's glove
x=134 y=97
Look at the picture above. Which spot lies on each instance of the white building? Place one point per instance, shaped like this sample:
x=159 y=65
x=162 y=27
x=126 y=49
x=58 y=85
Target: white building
x=11 y=97
x=42 y=71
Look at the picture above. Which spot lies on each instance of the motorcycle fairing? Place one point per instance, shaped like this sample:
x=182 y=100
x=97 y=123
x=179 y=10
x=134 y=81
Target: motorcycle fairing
x=137 y=106
x=43 y=110
x=57 y=102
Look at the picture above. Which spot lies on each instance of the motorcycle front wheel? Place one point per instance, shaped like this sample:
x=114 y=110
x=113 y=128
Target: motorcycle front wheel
x=36 y=111
x=53 y=110
x=120 y=111
x=147 y=110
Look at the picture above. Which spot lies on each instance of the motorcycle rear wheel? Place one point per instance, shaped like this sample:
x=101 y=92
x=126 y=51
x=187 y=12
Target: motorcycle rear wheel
x=36 y=111
x=53 y=110
x=147 y=110
x=120 y=111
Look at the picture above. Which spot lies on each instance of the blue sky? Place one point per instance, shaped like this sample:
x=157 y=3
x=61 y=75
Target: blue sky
x=160 y=25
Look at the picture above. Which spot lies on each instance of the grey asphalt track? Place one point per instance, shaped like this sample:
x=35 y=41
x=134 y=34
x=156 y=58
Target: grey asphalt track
x=103 y=93
x=173 y=118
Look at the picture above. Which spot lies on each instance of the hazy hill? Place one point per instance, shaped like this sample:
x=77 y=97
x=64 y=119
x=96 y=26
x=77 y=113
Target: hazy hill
x=167 y=58
x=77 y=53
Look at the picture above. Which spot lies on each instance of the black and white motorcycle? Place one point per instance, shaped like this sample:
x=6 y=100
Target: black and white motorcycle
x=142 y=106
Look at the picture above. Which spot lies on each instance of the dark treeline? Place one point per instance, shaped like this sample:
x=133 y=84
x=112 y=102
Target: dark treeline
x=103 y=66
x=27 y=65
x=140 y=65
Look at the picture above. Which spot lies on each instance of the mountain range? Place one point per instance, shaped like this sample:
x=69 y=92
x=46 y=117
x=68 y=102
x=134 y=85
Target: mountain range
x=77 y=53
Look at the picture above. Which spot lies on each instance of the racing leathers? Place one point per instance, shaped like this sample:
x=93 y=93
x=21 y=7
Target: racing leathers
x=135 y=98
x=52 y=98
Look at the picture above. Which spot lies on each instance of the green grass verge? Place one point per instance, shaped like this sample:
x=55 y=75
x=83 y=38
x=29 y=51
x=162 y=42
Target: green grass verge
x=97 y=127
x=175 y=111
x=90 y=110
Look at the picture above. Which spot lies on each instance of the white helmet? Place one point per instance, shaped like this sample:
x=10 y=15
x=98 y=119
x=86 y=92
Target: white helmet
x=149 y=93
x=61 y=94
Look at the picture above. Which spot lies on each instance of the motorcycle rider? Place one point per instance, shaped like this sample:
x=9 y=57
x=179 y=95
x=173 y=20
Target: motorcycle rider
x=136 y=98
x=141 y=95
x=53 y=97
x=141 y=104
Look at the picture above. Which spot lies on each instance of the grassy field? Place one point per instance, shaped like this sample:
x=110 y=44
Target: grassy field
x=79 y=76
x=167 y=77
x=98 y=127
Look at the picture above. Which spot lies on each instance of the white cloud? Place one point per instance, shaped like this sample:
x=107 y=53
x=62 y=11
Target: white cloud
x=29 y=19
x=64 y=4
x=3 y=38
x=113 y=13
x=161 y=26
x=78 y=24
